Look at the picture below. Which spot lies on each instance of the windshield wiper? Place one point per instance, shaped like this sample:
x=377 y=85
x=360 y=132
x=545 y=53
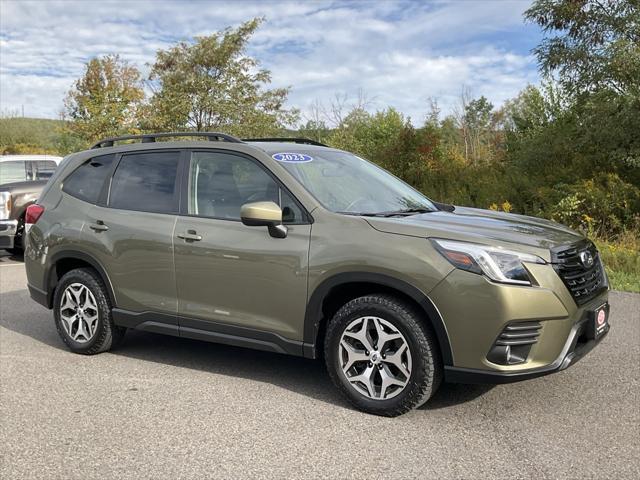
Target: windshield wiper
x=406 y=211
x=391 y=213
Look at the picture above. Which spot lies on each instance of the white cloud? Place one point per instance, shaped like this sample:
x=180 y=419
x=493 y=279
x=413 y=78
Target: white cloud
x=399 y=53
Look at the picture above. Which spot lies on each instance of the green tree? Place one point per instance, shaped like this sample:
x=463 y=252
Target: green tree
x=212 y=84
x=528 y=111
x=591 y=44
x=105 y=101
x=592 y=47
x=477 y=122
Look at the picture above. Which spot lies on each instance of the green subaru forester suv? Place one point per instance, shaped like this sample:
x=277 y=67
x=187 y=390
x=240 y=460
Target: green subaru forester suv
x=291 y=246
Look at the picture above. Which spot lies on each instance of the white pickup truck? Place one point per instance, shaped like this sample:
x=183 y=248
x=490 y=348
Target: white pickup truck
x=22 y=177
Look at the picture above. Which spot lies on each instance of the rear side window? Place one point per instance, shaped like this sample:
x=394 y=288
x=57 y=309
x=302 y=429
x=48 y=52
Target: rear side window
x=87 y=180
x=146 y=182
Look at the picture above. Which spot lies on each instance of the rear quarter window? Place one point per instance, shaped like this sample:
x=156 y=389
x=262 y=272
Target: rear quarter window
x=87 y=180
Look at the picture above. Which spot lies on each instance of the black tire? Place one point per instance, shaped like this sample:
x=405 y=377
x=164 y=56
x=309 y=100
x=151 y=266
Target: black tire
x=107 y=334
x=426 y=372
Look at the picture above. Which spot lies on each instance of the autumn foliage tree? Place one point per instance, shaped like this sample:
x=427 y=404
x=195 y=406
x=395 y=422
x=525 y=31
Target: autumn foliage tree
x=211 y=84
x=105 y=101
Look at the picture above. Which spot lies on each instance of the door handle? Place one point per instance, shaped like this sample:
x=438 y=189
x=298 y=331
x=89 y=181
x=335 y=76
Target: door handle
x=99 y=226
x=190 y=236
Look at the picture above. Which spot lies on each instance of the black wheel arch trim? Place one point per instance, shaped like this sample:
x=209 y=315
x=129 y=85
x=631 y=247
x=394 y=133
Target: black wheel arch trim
x=314 y=315
x=50 y=273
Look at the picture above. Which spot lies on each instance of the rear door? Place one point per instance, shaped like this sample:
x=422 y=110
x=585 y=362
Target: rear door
x=232 y=275
x=131 y=233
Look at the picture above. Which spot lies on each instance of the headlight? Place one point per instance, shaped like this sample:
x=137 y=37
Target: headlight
x=5 y=205
x=498 y=264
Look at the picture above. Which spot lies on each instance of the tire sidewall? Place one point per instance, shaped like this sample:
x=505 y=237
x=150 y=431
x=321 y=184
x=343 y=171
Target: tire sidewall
x=399 y=320
x=87 y=279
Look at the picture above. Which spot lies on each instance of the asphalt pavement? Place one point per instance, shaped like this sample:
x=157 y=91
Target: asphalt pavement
x=164 y=408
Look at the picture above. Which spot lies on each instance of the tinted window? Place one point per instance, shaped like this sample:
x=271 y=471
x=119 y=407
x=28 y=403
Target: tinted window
x=221 y=183
x=87 y=180
x=13 y=171
x=146 y=182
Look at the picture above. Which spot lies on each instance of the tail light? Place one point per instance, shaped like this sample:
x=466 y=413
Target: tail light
x=34 y=212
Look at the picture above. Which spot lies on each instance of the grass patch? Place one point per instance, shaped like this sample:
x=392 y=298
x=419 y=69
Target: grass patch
x=626 y=282
x=622 y=261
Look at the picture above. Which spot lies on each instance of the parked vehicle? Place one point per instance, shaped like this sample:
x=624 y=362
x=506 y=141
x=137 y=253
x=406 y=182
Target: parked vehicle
x=21 y=180
x=294 y=247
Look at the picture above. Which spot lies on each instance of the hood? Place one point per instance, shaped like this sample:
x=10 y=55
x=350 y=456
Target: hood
x=482 y=226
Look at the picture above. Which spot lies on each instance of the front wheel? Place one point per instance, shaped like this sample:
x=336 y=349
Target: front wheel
x=382 y=356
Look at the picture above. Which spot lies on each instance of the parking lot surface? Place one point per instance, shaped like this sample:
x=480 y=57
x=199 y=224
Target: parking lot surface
x=163 y=407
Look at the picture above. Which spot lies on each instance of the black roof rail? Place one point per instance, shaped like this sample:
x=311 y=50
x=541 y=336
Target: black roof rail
x=151 y=137
x=301 y=140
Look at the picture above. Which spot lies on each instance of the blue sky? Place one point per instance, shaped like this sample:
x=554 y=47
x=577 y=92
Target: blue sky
x=398 y=53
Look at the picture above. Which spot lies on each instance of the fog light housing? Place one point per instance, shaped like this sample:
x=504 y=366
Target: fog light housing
x=514 y=343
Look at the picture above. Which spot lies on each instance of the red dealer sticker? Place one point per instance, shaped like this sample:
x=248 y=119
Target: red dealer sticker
x=600 y=321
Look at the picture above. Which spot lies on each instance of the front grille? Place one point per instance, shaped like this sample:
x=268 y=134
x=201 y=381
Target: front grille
x=521 y=333
x=583 y=281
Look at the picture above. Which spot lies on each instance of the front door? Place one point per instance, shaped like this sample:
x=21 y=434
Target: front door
x=234 y=278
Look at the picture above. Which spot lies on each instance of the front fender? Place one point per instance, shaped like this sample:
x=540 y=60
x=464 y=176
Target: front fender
x=314 y=315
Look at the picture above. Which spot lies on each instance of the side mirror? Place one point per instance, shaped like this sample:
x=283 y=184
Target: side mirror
x=264 y=214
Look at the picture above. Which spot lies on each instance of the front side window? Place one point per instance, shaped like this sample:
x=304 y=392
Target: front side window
x=87 y=180
x=345 y=183
x=221 y=183
x=146 y=182
x=13 y=171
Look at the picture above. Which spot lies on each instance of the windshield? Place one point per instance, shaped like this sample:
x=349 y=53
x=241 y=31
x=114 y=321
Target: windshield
x=344 y=183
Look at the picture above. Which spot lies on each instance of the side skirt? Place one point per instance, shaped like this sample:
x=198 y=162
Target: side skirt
x=207 y=331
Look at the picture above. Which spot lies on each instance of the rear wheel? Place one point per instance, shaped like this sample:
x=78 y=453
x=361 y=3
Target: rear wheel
x=82 y=313
x=382 y=356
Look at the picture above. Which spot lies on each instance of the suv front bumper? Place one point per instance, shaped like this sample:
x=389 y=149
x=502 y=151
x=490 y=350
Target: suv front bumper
x=8 y=229
x=577 y=346
x=476 y=311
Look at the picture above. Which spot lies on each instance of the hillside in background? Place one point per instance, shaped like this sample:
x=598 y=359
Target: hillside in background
x=29 y=135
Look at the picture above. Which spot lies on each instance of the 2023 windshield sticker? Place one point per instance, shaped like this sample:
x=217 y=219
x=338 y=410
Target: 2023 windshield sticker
x=289 y=157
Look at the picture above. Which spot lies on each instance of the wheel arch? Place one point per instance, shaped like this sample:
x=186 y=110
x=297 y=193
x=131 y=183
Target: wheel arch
x=335 y=290
x=64 y=261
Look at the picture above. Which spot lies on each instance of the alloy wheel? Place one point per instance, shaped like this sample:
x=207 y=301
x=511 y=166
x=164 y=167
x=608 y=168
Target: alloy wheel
x=375 y=358
x=79 y=313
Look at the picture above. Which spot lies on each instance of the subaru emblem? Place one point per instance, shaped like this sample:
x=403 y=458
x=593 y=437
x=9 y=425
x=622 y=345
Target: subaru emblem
x=587 y=259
